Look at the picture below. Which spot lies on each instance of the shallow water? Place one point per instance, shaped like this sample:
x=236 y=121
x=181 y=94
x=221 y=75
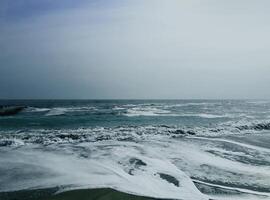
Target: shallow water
x=179 y=149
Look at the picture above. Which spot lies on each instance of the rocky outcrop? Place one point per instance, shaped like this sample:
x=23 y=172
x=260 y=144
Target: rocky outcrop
x=10 y=110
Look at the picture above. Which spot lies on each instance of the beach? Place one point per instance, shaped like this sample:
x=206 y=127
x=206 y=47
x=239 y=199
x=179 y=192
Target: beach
x=86 y=194
x=135 y=149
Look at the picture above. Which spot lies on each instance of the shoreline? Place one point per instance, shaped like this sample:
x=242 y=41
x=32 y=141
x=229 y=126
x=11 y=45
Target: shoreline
x=77 y=194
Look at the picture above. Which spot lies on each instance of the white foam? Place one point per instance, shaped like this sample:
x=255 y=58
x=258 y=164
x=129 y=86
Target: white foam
x=204 y=115
x=61 y=110
x=234 y=142
x=106 y=164
x=157 y=111
x=146 y=111
x=80 y=108
x=184 y=104
x=100 y=170
x=258 y=102
x=56 y=111
x=196 y=160
x=11 y=142
x=33 y=109
x=118 y=108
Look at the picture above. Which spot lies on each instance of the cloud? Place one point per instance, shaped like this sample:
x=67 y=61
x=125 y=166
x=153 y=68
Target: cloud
x=137 y=49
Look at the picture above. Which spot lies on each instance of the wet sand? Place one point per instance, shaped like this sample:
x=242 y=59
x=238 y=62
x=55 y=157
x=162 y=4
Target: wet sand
x=81 y=194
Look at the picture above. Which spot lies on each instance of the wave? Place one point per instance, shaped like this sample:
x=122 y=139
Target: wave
x=11 y=142
x=146 y=111
x=126 y=133
x=64 y=110
x=118 y=108
x=154 y=111
x=205 y=115
x=56 y=111
x=34 y=109
x=258 y=102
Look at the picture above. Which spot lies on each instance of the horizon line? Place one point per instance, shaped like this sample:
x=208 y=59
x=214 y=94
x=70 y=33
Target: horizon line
x=150 y=99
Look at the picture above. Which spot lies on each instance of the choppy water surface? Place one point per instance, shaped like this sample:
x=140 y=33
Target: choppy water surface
x=182 y=149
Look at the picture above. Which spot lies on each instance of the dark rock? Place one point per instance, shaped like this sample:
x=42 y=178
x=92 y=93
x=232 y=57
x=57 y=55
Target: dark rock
x=103 y=137
x=10 y=110
x=257 y=127
x=262 y=126
x=169 y=179
x=164 y=126
x=5 y=143
x=215 y=130
x=131 y=172
x=179 y=131
x=137 y=162
x=191 y=133
x=71 y=136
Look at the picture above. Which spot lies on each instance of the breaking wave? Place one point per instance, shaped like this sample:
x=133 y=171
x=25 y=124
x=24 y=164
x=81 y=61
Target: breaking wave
x=56 y=112
x=147 y=111
x=124 y=133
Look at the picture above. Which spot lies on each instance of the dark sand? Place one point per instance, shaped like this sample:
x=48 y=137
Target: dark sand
x=81 y=194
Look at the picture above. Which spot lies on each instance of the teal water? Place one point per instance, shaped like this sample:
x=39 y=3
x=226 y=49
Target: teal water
x=211 y=148
x=109 y=113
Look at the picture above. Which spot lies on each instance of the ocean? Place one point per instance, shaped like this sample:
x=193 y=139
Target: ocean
x=163 y=149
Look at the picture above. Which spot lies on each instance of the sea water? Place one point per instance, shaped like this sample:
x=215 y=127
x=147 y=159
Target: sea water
x=175 y=149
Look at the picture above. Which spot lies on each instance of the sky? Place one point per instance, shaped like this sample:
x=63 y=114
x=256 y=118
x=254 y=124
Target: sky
x=135 y=49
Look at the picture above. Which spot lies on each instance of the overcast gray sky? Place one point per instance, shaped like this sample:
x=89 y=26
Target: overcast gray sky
x=135 y=49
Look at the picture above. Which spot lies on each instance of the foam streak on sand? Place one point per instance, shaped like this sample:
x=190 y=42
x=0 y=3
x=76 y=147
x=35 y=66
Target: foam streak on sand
x=233 y=142
x=245 y=191
x=134 y=168
x=61 y=168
